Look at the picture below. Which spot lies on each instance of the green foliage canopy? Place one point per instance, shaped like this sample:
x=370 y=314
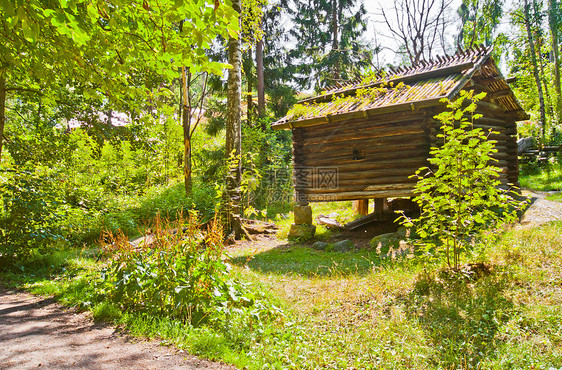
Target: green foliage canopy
x=105 y=43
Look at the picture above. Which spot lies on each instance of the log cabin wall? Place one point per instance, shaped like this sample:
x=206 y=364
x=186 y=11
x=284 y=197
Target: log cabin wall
x=360 y=159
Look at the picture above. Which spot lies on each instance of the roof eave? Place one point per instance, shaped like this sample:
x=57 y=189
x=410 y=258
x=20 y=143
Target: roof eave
x=401 y=107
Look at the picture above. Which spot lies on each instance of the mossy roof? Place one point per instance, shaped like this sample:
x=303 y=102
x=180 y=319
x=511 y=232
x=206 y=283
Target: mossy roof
x=416 y=87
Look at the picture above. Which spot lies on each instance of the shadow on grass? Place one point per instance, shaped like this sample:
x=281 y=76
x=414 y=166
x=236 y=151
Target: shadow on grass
x=288 y=259
x=460 y=314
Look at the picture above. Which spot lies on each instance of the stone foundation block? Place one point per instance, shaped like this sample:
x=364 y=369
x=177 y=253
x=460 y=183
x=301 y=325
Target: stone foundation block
x=302 y=232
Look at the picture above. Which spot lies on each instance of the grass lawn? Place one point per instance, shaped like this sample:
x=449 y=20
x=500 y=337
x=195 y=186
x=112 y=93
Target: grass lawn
x=545 y=177
x=354 y=310
x=357 y=311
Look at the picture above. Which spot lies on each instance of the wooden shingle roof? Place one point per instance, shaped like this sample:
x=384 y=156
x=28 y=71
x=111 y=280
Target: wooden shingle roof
x=416 y=87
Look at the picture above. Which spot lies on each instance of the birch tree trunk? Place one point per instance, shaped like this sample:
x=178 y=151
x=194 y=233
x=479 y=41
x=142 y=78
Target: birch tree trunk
x=535 y=66
x=233 y=145
x=250 y=86
x=335 y=40
x=539 y=44
x=186 y=126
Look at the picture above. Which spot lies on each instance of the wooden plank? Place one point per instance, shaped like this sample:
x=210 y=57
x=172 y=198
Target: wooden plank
x=361 y=222
x=467 y=76
x=359 y=195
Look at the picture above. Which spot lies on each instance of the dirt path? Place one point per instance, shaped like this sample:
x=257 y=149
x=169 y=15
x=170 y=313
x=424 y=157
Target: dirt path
x=541 y=210
x=37 y=332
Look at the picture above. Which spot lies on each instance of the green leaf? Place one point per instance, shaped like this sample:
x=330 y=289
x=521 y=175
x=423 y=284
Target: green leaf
x=233 y=33
x=29 y=30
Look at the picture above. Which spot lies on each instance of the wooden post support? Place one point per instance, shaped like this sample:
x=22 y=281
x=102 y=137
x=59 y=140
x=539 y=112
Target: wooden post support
x=361 y=206
x=379 y=208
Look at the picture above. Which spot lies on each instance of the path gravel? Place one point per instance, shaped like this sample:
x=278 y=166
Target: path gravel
x=541 y=210
x=37 y=332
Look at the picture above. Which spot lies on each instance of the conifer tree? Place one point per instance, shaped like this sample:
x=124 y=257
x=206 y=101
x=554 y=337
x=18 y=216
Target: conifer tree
x=328 y=38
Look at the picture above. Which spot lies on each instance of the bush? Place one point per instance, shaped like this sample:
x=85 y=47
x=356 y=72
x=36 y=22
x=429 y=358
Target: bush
x=177 y=272
x=459 y=194
x=28 y=218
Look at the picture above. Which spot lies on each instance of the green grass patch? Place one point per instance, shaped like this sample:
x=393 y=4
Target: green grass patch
x=542 y=177
x=555 y=197
x=352 y=310
x=303 y=261
x=342 y=212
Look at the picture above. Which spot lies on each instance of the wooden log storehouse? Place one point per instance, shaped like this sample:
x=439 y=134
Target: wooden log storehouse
x=345 y=148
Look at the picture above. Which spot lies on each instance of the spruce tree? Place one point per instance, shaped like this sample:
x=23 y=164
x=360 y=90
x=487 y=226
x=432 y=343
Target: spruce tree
x=329 y=47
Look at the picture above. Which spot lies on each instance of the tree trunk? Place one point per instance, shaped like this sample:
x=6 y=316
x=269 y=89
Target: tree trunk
x=335 y=40
x=535 y=67
x=541 y=65
x=2 y=110
x=249 y=86
x=185 y=109
x=186 y=125
x=261 y=80
x=233 y=145
x=553 y=8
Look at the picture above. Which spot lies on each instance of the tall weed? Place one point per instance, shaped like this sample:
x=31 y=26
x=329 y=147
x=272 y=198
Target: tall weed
x=177 y=271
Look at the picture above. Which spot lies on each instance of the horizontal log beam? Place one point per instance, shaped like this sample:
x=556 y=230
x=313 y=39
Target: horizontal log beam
x=347 y=158
x=364 y=134
x=363 y=124
x=416 y=138
x=371 y=112
x=371 y=188
x=354 y=195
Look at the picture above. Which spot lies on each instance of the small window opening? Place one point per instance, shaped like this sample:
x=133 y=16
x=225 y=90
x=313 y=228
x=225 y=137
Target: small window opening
x=358 y=154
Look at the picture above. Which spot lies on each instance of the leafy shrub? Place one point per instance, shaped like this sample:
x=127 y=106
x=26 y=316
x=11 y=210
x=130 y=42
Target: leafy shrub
x=29 y=214
x=459 y=194
x=177 y=272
